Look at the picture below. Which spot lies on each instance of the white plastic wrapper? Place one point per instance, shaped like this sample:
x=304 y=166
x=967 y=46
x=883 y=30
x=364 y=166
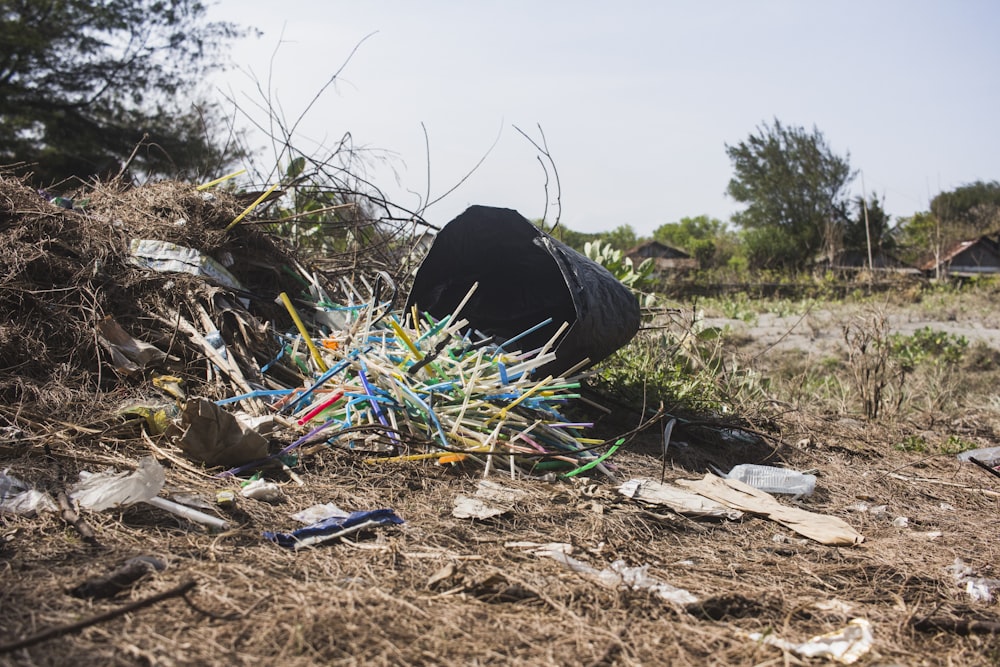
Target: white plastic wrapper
x=99 y=491
x=846 y=646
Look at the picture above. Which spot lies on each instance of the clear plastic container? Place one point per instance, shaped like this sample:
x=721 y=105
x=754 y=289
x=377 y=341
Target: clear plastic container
x=774 y=480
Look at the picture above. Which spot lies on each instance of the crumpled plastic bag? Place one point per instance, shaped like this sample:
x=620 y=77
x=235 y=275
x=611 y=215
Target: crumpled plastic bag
x=101 y=490
x=620 y=575
x=16 y=497
x=210 y=434
x=846 y=646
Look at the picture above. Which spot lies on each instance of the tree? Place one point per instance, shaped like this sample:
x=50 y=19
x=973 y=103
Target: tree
x=622 y=237
x=870 y=223
x=962 y=214
x=794 y=188
x=704 y=238
x=84 y=82
x=969 y=210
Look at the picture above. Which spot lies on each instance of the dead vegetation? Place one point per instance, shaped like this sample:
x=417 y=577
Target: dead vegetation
x=436 y=589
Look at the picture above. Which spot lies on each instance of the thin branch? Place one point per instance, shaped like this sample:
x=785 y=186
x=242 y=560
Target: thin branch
x=543 y=148
x=59 y=631
x=466 y=177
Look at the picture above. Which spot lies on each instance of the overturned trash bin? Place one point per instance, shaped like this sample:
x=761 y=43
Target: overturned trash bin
x=525 y=277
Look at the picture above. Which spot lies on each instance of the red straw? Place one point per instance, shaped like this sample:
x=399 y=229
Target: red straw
x=321 y=407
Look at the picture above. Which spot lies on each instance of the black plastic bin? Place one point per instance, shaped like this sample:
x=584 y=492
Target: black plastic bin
x=525 y=277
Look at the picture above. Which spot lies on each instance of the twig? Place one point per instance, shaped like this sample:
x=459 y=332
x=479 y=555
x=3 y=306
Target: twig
x=989 y=469
x=462 y=180
x=544 y=150
x=904 y=478
x=784 y=335
x=135 y=151
x=70 y=516
x=52 y=633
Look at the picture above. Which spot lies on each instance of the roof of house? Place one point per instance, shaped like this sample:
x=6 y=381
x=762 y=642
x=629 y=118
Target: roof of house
x=956 y=249
x=654 y=248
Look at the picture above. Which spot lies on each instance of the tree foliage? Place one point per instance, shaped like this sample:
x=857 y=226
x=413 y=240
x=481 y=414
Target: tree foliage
x=704 y=238
x=964 y=213
x=622 y=237
x=969 y=209
x=869 y=222
x=83 y=82
x=794 y=187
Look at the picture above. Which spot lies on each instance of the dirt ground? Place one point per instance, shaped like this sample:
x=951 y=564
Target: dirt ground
x=438 y=589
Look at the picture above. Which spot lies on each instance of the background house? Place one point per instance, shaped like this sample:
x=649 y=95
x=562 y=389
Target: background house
x=965 y=258
x=665 y=259
x=857 y=260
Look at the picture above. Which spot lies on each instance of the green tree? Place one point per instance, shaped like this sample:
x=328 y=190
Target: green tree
x=84 y=82
x=622 y=237
x=969 y=210
x=961 y=214
x=794 y=187
x=877 y=227
x=704 y=238
x=917 y=236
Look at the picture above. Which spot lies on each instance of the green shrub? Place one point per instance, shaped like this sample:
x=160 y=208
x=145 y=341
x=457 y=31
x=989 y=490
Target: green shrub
x=927 y=345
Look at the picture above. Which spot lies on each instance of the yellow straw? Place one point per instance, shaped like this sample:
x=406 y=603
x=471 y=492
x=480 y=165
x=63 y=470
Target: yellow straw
x=302 y=330
x=409 y=457
x=416 y=321
x=406 y=339
x=206 y=186
x=503 y=413
x=252 y=206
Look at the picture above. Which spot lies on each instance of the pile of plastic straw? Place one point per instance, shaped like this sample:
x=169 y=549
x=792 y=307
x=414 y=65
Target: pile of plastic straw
x=404 y=386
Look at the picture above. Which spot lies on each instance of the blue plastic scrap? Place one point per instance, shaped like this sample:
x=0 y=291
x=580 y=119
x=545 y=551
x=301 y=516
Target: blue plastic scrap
x=332 y=527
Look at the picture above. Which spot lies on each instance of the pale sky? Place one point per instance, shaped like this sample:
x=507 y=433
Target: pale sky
x=637 y=100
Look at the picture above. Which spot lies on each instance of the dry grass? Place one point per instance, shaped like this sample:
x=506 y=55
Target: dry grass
x=440 y=590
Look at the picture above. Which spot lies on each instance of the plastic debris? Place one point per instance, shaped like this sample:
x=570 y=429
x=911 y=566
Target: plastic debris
x=16 y=497
x=167 y=257
x=396 y=381
x=318 y=513
x=261 y=489
x=823 y=528
x=332 y=528
x=774 y=480
x=846 y=646
x=989 y=456
x=980 y=589
x=128 y=354
x=100 y=491
x=122 y=579
x=621 y=575
x=10 y=486
x=539 y=549
x=679 y=500
x=491 y=500
x=525 y=277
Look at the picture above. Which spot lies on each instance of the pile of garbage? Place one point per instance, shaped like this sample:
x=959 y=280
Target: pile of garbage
x=152 y=303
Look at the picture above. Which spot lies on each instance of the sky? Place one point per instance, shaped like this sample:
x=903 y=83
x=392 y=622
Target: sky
x=637 y=100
